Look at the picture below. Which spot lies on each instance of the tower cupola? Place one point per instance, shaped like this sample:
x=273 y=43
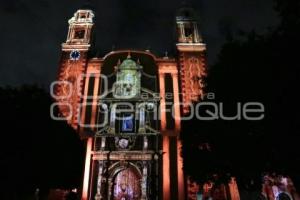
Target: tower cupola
x=187 y=27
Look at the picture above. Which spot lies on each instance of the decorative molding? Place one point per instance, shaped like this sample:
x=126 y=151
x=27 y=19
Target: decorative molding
x=192 y=47
x=123 y=155
x=80 y=47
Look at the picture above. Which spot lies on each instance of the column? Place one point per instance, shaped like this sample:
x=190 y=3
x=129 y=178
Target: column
x=233 y=189
x=85 y=33
x=163 y=117
x=87 y=167
x=72 y=35
x=83 y=105
x=196 y=33
x=69 y=34
x=176 y=101
x=182 y=36
x=95 y=101
x=166 y=142
x=113 y=118
x=144 y=182
x=166 y=168
x=110 y=187
x=103 y=141
x=180 y=174
x=145 y=145
x=99 y=182
x=142 y=118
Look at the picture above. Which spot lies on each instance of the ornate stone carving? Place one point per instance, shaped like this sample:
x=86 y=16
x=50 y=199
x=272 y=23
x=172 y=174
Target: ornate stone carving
x=195 y=72
x=70 y=89
x=123 y=155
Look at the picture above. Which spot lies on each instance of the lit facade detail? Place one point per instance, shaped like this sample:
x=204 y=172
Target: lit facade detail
x=130 y=151
x=277 y=187
x=191 y=61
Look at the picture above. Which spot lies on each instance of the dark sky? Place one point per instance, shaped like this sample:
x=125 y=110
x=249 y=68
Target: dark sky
x=32 y=30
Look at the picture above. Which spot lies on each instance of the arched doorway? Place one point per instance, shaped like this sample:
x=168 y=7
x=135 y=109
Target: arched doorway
x=127 y=185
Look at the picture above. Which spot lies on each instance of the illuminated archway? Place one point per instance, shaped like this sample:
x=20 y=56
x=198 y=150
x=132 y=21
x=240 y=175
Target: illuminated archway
x=126 y=185
x=125 y=182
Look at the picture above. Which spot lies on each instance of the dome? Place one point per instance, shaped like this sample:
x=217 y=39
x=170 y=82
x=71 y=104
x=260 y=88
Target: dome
x=128 y=63
x=186 y=13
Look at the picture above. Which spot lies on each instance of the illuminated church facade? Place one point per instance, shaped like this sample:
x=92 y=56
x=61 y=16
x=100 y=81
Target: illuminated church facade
x=127 y=107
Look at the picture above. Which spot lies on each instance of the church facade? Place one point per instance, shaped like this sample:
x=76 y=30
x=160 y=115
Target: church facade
x=127 y=107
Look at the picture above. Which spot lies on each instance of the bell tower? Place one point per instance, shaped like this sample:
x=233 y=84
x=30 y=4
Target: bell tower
x=73 y=65
x=80 y=28
x=191 y=57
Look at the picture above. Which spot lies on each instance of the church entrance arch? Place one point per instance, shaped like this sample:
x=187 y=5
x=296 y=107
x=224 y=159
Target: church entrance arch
x=126 y=182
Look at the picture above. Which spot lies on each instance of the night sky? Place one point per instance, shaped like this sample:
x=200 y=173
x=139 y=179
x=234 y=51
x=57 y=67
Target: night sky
x=32 y=30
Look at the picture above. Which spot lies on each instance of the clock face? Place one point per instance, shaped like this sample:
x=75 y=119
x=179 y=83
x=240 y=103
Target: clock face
x=75 y=55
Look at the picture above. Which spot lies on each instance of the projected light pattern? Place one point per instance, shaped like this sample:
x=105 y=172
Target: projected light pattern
x=127 y=186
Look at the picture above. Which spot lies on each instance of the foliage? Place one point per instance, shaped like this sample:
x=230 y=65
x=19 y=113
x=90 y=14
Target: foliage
x=256 y=68
x=36 y=151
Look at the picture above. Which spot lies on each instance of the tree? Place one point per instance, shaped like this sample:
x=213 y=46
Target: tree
x=36 y=151
x=255 y=68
